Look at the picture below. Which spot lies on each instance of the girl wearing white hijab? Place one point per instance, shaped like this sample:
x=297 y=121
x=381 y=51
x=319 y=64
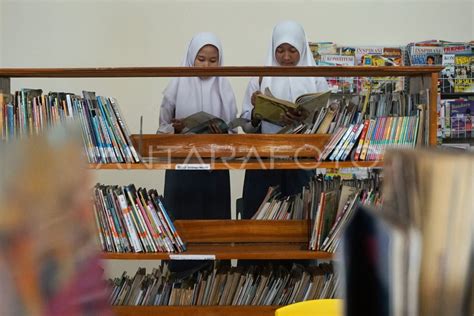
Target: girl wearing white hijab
x=289 y=47
x=191 y=194
x=188 y=95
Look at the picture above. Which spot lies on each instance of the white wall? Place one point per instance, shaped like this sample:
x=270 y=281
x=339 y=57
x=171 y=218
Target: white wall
x=115 y=33
x=1 y=32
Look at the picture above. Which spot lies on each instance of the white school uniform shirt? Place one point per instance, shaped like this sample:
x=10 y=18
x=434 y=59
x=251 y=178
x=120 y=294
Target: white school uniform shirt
x=287 y=88
x=188 y=95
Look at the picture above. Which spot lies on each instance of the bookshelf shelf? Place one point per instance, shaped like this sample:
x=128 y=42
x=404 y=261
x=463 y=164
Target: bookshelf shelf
x=239 y=239
x=235 y=165
x=234 y=251
x=195 y=310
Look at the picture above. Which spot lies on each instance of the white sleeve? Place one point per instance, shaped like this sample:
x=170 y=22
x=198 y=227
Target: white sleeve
x=247 y=106
x=167 y=113
x=321 y=84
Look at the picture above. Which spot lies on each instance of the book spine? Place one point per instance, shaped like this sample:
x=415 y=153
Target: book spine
x=131 y=226
x=109 y=198
x=88 y=111
x=105 y=134
x=123 y=138
x=333 y=143
x=127 y=155
x=124 y=128
x=116 y=148
x=171 y=225
x=126 y=238
x=110 y=220
x=145 y=235
x=340 y=144
x=102 y=229
x=353 y=142
x=156 y=244
x=373 y=139
x=361 y=141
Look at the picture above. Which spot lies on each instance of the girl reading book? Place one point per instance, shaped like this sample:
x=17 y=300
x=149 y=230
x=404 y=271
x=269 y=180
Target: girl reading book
x=198 y=194
x=289 y=47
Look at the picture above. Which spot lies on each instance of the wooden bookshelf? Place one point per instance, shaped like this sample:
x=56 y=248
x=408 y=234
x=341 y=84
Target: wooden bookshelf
x=236 y=239
x=195 y=310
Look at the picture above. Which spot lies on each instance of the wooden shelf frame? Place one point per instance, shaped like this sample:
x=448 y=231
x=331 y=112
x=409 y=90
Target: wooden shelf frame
x=230 y=146
x=239 y=239
x=228 y=71
x=238 y=164
x=241 y=251
x=195 y=310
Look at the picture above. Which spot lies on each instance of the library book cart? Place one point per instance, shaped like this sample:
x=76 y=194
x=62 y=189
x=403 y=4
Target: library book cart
x=235 y=239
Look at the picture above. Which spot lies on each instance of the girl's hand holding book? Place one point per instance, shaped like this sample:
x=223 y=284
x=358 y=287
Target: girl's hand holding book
x=178 y=126
x=293 y=117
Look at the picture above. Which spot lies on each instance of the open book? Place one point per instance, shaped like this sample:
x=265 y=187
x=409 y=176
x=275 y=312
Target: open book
x=199 y=123
x=271 y=109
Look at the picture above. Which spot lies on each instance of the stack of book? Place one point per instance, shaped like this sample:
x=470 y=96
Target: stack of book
x=300 y=206
x=369 y=139
x=363 y=125
x=131 y=220
x=333 y=207
x=229 y=286
x=328 y=201
x=104 y=132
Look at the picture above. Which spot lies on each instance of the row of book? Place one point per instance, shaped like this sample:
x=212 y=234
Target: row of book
x=428 y=52
x=333 y=205
x=226 y=286
x=456 y=57
x=341 y=110
x=328 y=200
x=331 y=54
x=104 y=132
x=134 y=220
x=277 y=206
x=455 y=118
x=369 y=140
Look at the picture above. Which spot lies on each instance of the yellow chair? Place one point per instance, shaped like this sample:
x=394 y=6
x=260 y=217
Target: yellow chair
x=312 y=308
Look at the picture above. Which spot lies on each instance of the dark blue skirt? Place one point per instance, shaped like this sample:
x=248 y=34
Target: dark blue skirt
x=197 y=194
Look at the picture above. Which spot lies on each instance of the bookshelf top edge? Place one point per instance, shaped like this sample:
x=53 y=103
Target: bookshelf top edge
x=231 y=71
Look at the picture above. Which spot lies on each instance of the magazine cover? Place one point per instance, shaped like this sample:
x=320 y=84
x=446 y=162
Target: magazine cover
x=464 y=76
x=343 y=84
x=426 y=55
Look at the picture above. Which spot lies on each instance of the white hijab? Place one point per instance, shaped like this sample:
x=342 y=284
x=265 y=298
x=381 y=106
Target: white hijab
x=289 y=88
x=213 y=95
